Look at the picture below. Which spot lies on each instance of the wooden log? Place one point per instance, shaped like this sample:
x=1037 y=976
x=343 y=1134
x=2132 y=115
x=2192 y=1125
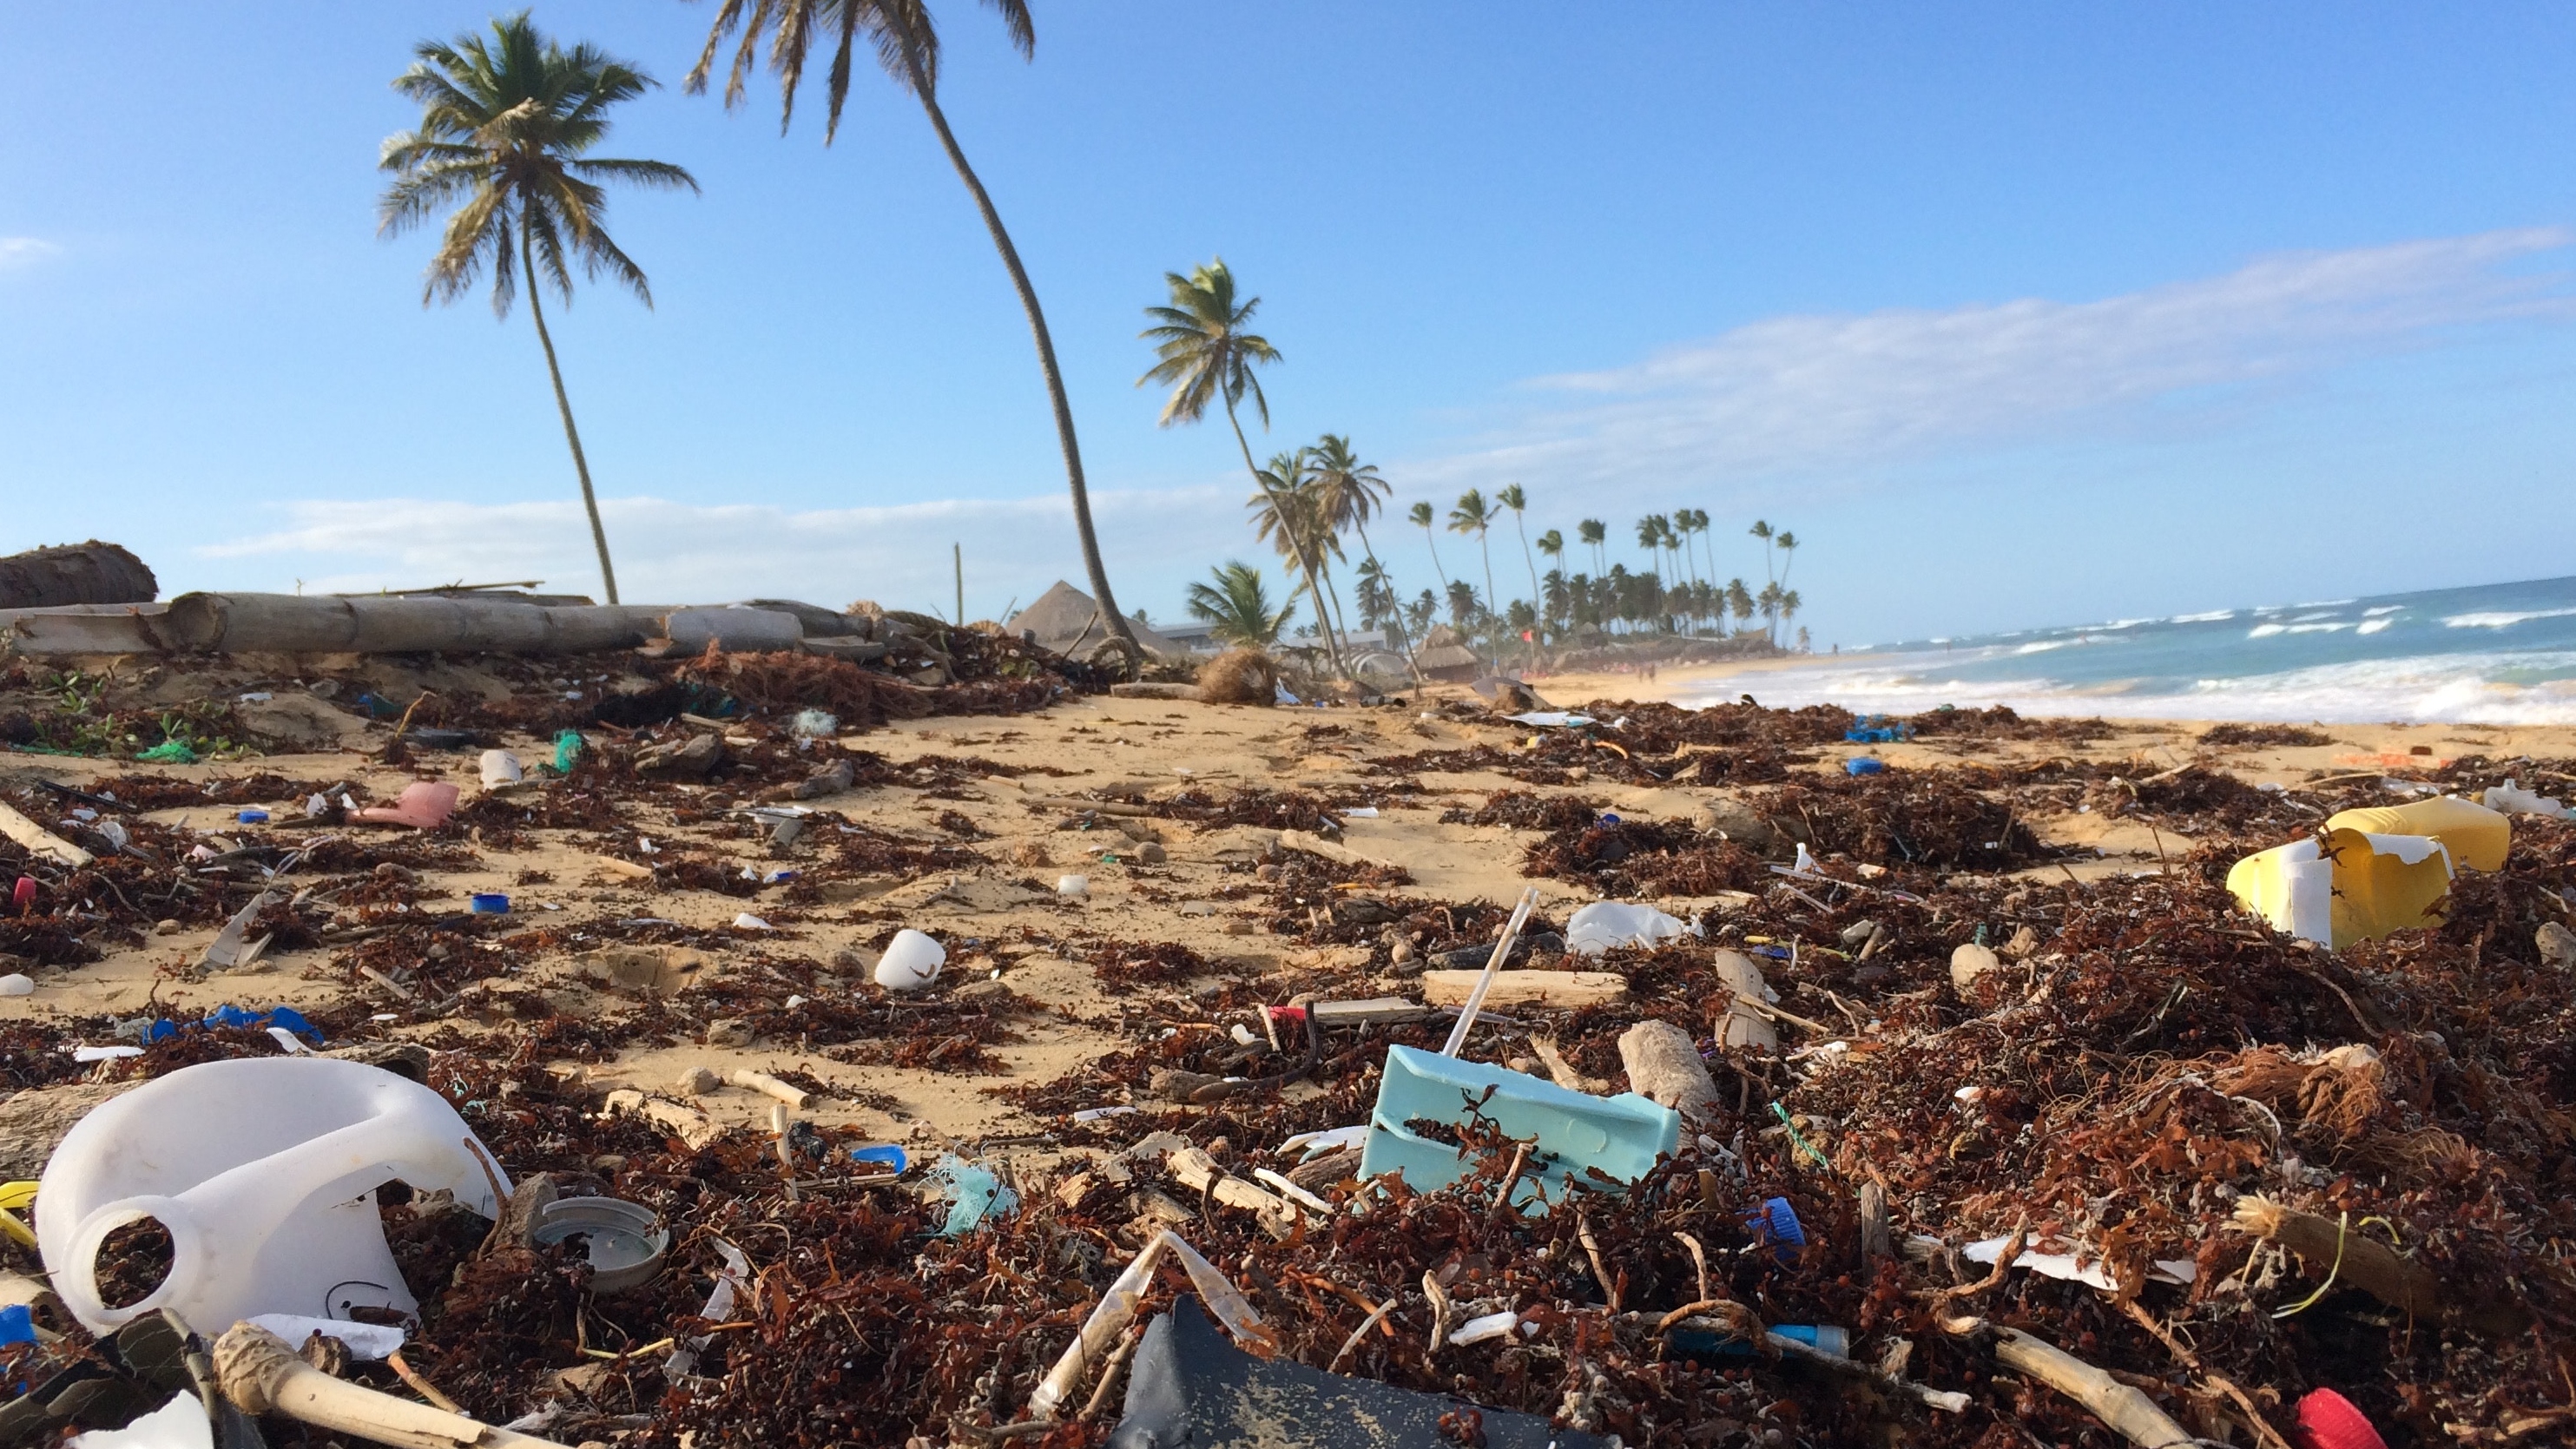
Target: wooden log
x=1876 y=1240
x=1526 y=988
x=1664 y=1066
x=261 y=1374
x=74 y=573
x=41 y=841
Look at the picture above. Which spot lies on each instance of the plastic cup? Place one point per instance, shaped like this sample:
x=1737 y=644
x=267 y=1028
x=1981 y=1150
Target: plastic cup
x=911 y=961
x=491 y=903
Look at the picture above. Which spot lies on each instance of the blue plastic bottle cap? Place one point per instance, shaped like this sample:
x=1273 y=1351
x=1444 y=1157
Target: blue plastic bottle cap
x=886 y=1153
x=252 y=817
x=491 y=904
x=17 y=1325
x=1607 y=819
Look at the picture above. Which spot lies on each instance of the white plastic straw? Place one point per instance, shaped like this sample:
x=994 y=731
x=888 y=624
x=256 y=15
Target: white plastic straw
x=1493 y=963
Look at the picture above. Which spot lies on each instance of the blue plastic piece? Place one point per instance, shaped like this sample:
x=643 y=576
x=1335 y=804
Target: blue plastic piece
x=1863 y=765
x=252 y=817
x=490 y=903
x=17 y=1325
x=229 y=1015
x=887 y=1155
x=1826 y=1336
x=1573 y=1134
x=1874 y=729
x=1607 y=819
x=1776 y=1223
x=975 y=1195
x=377 y=705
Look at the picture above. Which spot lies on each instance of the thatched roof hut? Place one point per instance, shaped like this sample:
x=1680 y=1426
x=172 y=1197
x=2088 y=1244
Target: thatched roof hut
x=1067 y=620
x=1444 y=656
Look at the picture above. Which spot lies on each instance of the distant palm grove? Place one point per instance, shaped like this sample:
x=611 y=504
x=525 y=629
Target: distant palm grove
x=1306 y=502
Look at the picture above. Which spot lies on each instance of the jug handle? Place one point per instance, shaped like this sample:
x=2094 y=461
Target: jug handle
x=76 y=1281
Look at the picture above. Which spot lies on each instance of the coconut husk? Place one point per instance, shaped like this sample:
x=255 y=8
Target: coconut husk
x=1240 y=676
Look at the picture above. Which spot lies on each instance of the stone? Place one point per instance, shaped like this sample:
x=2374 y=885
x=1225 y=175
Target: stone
x=1151 y=854
x=166 y=928
x=693 y=757
x=733 y=1031
x=1738 y=822
x=2557 y=944
x=697 y=1082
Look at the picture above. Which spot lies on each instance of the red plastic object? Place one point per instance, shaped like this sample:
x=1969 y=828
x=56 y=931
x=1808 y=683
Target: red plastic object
x=23 y=899
x=2327 y=1420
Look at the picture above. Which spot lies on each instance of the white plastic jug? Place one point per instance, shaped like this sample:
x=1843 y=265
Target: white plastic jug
x=911 y=961
x=264 y=1173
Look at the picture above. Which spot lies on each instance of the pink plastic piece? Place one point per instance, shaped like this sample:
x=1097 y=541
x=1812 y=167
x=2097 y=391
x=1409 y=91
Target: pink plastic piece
x=423 y=805
x=2327 y=1420
x=23 y=899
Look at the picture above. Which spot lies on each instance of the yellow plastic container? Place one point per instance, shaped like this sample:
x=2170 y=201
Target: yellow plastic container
x=2381 y=870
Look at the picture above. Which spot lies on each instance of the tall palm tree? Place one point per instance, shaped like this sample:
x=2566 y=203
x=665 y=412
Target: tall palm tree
x=1768 y=602
x=907 y=48
x=1790 y=603
x=1762 y=531
x=1464 y=606
x=1239 y=607
x=1788 y=555
x=1594 y=532
x=1474 y=517
x=1739 y=602
x=1515 y=500
x=1421 y=517
x=506 y=127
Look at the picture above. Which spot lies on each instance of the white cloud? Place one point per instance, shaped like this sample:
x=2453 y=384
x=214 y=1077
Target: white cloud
x=1788 y=394
x=670 y=552
x=22 y=251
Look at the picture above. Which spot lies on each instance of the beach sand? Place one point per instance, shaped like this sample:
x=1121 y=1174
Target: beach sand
x=1007 y=904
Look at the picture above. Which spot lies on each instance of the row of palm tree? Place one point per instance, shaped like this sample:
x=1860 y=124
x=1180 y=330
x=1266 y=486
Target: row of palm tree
x=508 y=124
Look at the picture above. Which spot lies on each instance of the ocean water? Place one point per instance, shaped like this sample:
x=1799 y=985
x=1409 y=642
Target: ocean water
x=2493 y=654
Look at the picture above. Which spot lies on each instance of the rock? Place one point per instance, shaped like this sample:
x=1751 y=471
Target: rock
x=733 y=1031
x=1031 y=853
x=832 y=779
x=517 y=1227
x=1151 y=854
x=32 y=1123
x=697 y=1082
x=693 y=757
x=166 y=928
x=1664 y=1066
x=1738 y=822
x=984 y=989
x=2557 y=944
x=1969 y=962
x=1858 y=931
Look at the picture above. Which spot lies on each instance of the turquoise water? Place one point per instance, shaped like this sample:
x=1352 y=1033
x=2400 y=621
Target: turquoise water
x=2495 y=653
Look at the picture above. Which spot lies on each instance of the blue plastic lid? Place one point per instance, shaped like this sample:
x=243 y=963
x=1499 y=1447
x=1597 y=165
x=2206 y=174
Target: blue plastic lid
x=491 y=903
x=17 y=1325
x=886 y=1153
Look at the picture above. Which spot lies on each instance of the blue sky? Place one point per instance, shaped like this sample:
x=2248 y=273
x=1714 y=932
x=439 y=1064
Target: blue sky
x=2017 y=314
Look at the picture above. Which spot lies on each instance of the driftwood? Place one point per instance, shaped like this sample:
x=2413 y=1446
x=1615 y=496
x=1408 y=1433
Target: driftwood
x=41 y=841
x=1330 y=850
x=1664 y=1066
x=1192 y=1168
x=74 y=573
x=2128 y=1411
x=390 y=624
x=261 y=1374
x=1744 y=1024
x=794 y=1096
x=1526 y=988
x=2354 y=1257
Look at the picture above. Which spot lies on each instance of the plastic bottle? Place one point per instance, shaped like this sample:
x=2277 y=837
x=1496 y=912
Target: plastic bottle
x=1604 y=924
x=263 y=1170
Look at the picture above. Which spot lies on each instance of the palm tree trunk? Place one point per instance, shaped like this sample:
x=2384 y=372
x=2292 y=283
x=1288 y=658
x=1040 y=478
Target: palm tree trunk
x=563 y=404
x=1369 y=550
x=1494 y=635
x=1287 y=525
x=1064 y=436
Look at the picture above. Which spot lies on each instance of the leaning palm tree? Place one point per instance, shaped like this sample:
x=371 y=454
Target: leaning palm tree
x=1239 y=607
x=1347 y=490
x=1788 y=555
x=1203 y=351
x=907 y=47
x=1594 y=532
x=1421 y=517
x=1762 y=531
x=506 y=127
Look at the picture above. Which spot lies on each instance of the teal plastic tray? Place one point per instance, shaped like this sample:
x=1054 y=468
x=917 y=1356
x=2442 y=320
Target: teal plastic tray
x=1571 y=1133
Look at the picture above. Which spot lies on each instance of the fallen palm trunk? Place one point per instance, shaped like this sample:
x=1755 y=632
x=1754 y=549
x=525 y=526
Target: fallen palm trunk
x=391 y=624
x=260 y=1374
x=74 y=573
x=2351 y=1256
x=2127 y=1410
